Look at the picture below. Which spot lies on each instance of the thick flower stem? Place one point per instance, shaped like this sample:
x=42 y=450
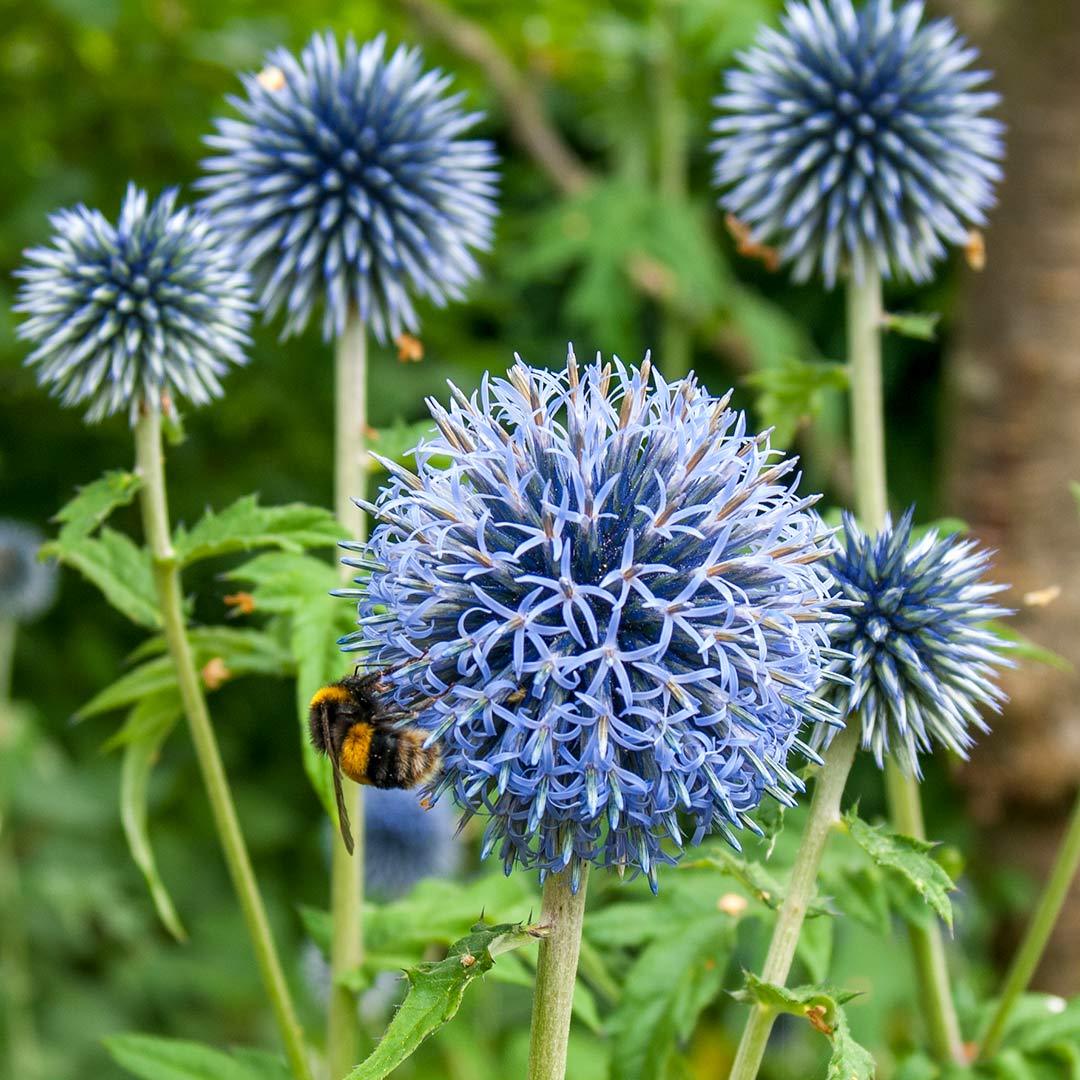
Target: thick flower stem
x=927 y=944
x=824 y=814
x=347 y=872
x=155 y=513
x=1038 y=933
x=7 y=658
x=864 y=318
x=563 y=913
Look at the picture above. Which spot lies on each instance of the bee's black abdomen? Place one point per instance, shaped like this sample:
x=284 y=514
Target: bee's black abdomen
x=383 y=764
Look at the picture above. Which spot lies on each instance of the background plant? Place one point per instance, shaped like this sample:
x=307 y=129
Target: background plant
x=97 y=92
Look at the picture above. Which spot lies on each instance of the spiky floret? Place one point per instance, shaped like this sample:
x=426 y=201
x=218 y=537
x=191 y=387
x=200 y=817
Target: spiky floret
x=607 y=611
x=27 y=585
x=347 y=182
x=858 y=137
x=922 y=660
x=129 y=315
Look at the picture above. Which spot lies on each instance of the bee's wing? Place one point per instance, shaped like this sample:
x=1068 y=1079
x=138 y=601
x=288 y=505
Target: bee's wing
x=343 y=814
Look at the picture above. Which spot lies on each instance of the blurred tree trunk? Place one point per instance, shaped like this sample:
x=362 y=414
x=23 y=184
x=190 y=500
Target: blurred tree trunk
x=1014 y=435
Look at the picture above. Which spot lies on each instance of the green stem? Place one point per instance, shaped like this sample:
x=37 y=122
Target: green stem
x=864 y=315
x=563 y=913
x=155 y=513
x=676 y=341
x=824 y=814
x=347 y=873
x=1038 y=932
x=927 y=944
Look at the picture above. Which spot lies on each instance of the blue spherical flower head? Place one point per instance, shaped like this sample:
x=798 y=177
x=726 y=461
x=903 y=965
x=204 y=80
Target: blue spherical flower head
x=853 y=138
x=606 y=609
x=348 y=181
x=406 y=841
x=27 y=585
x=133 y=315
x=922 y=660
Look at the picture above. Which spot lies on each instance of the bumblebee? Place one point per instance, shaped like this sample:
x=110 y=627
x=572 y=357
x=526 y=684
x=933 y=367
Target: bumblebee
x=351 y=723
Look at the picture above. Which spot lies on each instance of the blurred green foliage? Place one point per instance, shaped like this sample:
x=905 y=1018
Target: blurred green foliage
x=95 y=92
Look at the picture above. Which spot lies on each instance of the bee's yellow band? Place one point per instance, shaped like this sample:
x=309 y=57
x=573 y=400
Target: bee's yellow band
x=329 y=693
x=355 y=752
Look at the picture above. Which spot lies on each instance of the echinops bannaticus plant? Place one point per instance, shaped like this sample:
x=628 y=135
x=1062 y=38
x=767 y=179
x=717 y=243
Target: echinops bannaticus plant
x=858 y=136
x=613 y=594
x=348 y=181
x=922 y=658
x=133 y=315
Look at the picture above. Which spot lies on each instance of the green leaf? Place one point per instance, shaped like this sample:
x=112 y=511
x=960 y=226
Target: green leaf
x=93 y=503
x=243 y=650
x=116 y=566
x=815 y=947
x=153 y=1058
x=398 y=441
x=156 y=676
x=1023 y=648
x=154 y=716
x=922 y=326
x=664 y=992
x=849 y=1060
x=246 y=525
x=797 y=1000
x=435 y=994
x=298 y=587
x=907 y=858
x=792 y=392
x=435 y=912
x=859 y=892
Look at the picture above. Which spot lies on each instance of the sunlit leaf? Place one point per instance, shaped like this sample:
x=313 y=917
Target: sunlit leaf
x=435 y=994
x=246 y=525
x=909 y=859
x=153 y=1058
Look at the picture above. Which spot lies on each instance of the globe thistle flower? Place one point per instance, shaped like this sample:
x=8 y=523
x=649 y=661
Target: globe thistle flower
x=347 y=180
x=851 y=138
x=921 y=660
x=606 y=610
x=27 y=586
x=132 y=315
x=405 y=842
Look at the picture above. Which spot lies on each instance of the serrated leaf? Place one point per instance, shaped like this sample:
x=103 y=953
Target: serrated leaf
x=298 y=587
x=153 y=1058
x=793 y=391
x=92 y=504
x=795 y=1000
x=243 y=650
x=435 y=912
x=849 y=1060
x=435 y=993
x=907 y=858
x=119 y=568
x=246 y=525
x=920 y=325
x=664 y=992
x=154 y=717
x=156 y=676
